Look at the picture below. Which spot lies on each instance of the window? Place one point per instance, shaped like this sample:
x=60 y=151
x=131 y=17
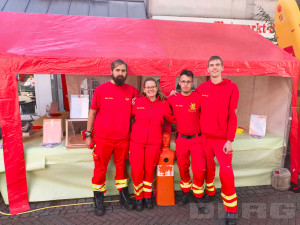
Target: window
x=26 y=90
x=88 y=86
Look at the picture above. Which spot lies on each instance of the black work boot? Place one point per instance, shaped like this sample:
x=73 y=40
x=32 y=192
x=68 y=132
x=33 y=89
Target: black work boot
x=230 y=219
x=148 y=203
x=99 y=206
x=139 y=204
x=184 y=199
x=125 y=199
x=201 y=205
x=207 y=198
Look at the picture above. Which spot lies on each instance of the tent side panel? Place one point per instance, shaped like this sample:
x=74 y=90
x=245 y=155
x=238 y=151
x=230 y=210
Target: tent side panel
x=167 y=84
x=13 y=151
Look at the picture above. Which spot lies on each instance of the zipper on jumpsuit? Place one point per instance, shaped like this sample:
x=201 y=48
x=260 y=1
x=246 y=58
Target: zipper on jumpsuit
x=149 y=123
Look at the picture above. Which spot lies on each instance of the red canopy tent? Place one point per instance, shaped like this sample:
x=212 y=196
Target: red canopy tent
x=59 y=44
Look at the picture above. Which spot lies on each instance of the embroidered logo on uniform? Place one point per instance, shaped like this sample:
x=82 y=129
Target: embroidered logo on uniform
x=179 y=105
x=204 y=95
x=192 y=107
x=109 y=98
x=140 y=108
x=127 y=99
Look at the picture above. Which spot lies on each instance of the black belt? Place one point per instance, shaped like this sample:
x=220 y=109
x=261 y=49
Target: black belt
x=188 y=136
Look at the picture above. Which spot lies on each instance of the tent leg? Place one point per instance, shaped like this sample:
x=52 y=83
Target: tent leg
x=296 y=187
x=65 y=92
x=13 y=152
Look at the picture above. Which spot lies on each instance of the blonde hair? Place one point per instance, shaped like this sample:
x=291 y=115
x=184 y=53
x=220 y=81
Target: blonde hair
x=159 y=93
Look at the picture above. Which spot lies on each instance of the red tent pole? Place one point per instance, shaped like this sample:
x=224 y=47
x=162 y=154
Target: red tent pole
x=298 y=158
x=10 y=122
x=65 y=92
x=294 y=140
x=295 y=154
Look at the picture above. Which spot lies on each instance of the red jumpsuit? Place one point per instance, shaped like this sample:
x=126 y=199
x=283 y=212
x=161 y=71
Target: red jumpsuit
x=111 y=127
x=218 y=123
x=145 y=142
x=186 y=110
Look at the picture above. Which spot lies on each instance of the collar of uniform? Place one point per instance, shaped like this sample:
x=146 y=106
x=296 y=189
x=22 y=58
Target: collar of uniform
x=186 y=96
x=157 y=99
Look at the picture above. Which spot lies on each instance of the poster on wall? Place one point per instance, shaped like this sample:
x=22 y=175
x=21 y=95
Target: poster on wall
x=79 y=107
x=52 y=131
x=258 y=125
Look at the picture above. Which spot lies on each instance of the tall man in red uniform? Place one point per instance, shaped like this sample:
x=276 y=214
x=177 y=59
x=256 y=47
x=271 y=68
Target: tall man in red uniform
x=186 y=109
x=110 y=117
x=218 y=121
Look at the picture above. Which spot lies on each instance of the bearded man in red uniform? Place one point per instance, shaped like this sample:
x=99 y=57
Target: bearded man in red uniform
x=186 y=109
x=110 y=117
x=218 y=121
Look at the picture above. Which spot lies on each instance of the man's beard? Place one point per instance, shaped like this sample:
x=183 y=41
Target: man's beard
x=119 y=80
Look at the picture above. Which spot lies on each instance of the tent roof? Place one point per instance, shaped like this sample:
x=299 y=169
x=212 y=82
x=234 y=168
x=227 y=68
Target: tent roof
x=45 y=43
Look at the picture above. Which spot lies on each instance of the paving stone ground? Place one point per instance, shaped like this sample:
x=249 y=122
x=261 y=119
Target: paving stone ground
x=256 y=205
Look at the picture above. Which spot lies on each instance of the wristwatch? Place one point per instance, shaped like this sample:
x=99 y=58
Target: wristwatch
x=88 y=134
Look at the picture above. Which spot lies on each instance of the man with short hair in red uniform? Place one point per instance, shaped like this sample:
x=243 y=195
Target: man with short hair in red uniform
x=110 y=116
x=218 y=121
x=186 y=109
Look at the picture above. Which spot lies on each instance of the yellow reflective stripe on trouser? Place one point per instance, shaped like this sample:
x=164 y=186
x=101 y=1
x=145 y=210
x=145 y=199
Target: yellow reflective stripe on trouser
x=228 y=198
x=198 y=191
x=122 y=181
x=147 y=189
x=121 y=185
x=232 y=204
x=210 y=184
x=185 y=185
x=147 y=183
x=98 y=186
x=197 y=187
x=138 y=187
x=138 y=192
x=101 y=188
x=209 y=189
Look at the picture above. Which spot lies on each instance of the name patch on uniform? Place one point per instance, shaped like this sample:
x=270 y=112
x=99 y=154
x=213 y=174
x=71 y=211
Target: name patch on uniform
x=127 y=99
x=203 y=95
x=140 y=108
x=192 y=107
x=179 y=105
x=109 y=98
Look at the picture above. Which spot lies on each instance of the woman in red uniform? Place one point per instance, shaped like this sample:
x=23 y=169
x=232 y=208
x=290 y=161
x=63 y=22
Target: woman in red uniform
x=149 y=113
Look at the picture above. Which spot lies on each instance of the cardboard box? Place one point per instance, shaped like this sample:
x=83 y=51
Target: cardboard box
x=74 y=127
